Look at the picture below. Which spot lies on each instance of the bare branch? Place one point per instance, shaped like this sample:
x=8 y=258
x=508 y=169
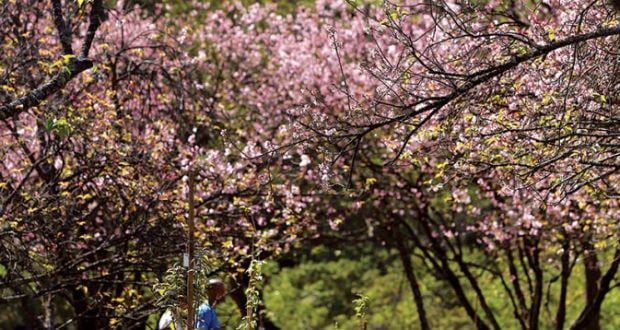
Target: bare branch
x=96 y=16
x=64 y=28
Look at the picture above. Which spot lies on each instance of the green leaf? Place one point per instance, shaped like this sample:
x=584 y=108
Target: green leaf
x=63 y=128
x=80 y=3
x=49 y=124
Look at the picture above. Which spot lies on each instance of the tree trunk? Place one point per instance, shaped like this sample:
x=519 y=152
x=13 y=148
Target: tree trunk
x=590 y=315
x=560 y=316
x=593 y=277
x=405 y=258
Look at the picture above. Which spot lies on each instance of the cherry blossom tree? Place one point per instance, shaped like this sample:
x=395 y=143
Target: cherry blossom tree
x=505 y=102
x=477 y=139
x=98 y=152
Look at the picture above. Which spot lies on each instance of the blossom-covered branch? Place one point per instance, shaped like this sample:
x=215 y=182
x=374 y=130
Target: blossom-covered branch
x=72 y=66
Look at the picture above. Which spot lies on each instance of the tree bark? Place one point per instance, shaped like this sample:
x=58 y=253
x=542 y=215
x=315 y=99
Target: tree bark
x=560 y=316
x=593 y=276
x=405 y=258
x=590 y=315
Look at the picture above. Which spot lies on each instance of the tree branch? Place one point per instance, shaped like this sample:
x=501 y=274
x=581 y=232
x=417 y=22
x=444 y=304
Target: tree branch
x=96 y=16
x=34 y=98
x=73 y=67
x=64 y=29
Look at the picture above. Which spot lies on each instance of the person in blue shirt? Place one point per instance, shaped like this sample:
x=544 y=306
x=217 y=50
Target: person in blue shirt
x=207 y=317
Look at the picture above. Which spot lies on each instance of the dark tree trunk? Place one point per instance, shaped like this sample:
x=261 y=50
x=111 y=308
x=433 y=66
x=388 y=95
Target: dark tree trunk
x=405 y=258
x=593 y=277
x=589 y=319
x=560 y=317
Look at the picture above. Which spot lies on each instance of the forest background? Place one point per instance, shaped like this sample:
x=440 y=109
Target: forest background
x=373 y=165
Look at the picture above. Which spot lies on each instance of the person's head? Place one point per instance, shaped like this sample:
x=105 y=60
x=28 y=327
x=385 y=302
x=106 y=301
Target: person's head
x=216 y=290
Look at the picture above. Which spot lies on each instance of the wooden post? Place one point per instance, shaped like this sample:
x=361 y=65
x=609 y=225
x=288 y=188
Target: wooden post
x=190 y=269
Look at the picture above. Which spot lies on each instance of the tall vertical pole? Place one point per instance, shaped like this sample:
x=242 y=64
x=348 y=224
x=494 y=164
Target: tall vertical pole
x=190 y=269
